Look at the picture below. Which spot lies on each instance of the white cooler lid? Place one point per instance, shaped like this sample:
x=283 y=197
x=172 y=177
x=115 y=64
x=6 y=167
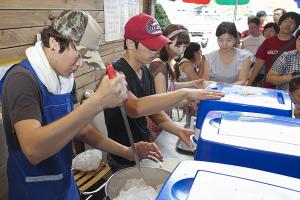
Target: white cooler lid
x=197 y=180
x=255 y=96
x=257 y=131
x=236 y=183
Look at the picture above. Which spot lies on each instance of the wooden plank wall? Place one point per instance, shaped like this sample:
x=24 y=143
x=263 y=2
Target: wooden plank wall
x=22 y=20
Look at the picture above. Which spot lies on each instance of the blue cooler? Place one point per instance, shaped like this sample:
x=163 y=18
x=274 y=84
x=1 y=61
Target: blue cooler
x=265 y=142
x=194 y=180
x=247 y=99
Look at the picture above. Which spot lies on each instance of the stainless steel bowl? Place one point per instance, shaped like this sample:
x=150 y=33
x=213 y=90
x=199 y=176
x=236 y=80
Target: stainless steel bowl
x=152 y=177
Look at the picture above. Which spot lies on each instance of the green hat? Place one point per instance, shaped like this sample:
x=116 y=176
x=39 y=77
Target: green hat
x=84 y=31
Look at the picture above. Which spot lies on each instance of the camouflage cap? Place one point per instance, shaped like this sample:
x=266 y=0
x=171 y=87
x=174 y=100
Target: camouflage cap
x=84 y=31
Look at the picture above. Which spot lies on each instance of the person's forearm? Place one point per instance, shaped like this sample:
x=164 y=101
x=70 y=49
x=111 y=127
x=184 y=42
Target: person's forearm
x=253 y=76
x=192 y=75
x=153 y=104
x=39 y=142
x=170 y=127
x=45 y=141
x=96 y=139
x=255 y=72
x=241 y=82
x=186 y=84
x=164 y=122
x=278 y=79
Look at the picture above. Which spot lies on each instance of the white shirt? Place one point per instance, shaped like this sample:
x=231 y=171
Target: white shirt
x=252 y=43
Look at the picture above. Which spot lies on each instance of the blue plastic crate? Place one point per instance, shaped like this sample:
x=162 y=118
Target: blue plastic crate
x=194 y=180
x=265 y=142
x=247 y=99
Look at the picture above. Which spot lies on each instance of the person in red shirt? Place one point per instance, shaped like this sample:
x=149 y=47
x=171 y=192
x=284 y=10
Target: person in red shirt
x=271 y=46
x=262 y=15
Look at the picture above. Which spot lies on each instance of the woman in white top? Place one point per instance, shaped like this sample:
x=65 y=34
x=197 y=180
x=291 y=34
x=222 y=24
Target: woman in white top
x=190 y=66
x=228 y=64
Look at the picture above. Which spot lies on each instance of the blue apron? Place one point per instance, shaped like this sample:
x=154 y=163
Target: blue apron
x=52 y=178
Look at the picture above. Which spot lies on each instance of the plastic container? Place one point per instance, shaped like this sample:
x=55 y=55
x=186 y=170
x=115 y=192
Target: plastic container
x=266 y=142
x=246 y=99
x=194 y=180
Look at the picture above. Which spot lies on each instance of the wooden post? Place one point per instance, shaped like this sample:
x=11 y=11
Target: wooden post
x=149 y=6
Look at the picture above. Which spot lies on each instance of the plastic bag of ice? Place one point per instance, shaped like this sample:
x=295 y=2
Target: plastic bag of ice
x=88 y=160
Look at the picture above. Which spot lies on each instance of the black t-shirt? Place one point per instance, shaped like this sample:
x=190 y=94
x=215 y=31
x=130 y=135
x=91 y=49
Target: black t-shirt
x=113 y=117
x=21 y=100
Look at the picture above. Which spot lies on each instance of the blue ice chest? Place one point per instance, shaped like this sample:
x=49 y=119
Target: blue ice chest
x=194 y=180
x=265 y=142
x=247 y=99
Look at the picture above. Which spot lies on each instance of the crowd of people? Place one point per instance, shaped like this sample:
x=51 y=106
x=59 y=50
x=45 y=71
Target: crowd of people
x=268 y=55
x=265 y=55
x=159 y=70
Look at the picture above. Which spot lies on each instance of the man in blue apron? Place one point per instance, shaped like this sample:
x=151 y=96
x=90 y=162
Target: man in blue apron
x=38 y=95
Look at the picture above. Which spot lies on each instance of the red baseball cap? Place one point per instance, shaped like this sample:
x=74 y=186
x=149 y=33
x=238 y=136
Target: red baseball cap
x=145 y=29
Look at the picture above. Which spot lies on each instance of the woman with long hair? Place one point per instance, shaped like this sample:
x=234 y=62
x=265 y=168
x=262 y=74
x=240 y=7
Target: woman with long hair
x=162 y=67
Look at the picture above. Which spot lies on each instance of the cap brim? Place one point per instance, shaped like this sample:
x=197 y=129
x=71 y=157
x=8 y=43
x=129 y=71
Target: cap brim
x=90 y=57
x=155 y=42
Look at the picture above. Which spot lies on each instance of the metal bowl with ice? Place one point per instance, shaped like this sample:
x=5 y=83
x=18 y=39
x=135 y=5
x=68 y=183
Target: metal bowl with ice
x=152 y=176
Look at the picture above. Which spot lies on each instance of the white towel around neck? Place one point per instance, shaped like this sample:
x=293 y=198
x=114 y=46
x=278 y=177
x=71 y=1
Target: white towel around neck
x=55 y=84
